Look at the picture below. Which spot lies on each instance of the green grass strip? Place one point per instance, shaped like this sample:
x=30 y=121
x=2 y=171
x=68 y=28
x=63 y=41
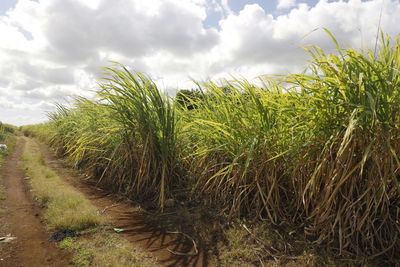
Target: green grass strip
x=66 y=207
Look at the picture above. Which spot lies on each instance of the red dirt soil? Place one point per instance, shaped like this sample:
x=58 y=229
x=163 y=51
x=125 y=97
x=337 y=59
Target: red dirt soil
x=21 y=217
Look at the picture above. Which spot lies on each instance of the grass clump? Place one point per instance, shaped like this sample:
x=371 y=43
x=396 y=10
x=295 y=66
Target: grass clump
x=105 y=249
x=239 y=247
x=66 y=207
x=2 y=193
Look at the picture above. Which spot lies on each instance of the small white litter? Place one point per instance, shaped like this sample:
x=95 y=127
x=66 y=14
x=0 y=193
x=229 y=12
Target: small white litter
x=3 y=147
x=7 y=239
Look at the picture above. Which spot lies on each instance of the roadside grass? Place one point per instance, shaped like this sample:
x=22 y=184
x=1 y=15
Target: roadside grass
x=243 y=242
x=105 y=249
x=10 y=141
x=68 y=209
x=2 y=193
x=265 y=245
x=238 y=248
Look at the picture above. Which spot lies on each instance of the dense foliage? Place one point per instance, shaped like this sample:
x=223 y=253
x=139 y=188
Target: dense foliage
x=318 y=151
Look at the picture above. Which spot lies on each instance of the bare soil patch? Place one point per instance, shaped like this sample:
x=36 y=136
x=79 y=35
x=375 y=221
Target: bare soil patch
x=22 y=218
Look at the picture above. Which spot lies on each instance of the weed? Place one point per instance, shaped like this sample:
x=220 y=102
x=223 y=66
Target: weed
x=105 y=249
x=2 y=194
x=239 y=246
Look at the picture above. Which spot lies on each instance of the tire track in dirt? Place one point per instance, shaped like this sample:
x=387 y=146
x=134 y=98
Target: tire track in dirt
x=22 y=219
x=123 y=214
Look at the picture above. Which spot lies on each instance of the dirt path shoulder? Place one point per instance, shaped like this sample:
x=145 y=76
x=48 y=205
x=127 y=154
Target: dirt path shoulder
x=168 y=249
x=21 y=217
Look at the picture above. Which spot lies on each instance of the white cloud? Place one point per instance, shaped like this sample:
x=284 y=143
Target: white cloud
x=284 y=4
x=54 y=48
x=226 y=8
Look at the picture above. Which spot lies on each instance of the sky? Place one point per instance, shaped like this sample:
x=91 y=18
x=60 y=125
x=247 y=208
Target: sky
x=52 y=50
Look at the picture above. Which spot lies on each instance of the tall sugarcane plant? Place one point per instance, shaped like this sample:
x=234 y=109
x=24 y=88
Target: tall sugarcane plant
x=147 y=118
x=318 y=150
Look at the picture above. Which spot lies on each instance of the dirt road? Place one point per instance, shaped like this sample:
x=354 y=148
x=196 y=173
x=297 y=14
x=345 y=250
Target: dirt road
x=21 y=217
